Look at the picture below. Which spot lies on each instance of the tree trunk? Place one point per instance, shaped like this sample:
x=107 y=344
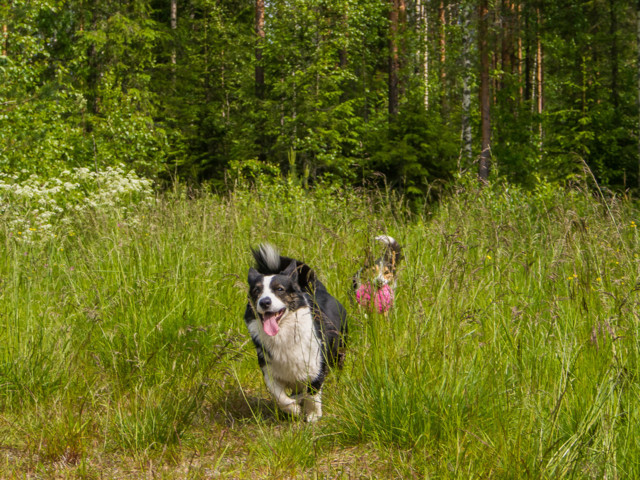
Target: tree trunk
x=423 y=24
x=259 y=78
x=402 y=44
x=485 y=102
x=504 y=42
x=528 y=56
x=394 y=61
x=174 y=26
x=613 y=32
x=94 y=70
x=259 y=29
x=539 y=77
x=443 y=56
x=638 y=71
x=345 y=29
x=5 y=39
x=519 y=51
x=467 y=153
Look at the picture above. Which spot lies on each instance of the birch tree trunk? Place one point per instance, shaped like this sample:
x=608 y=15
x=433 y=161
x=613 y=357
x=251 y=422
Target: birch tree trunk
x=443 y=56
x=485 y=102
x=174 y=26
x=467 y=152
x=519 y=51
x=539 y=77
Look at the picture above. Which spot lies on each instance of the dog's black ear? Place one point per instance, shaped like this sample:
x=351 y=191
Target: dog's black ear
x=254 y=275
x=393 y=253
x=291 y=271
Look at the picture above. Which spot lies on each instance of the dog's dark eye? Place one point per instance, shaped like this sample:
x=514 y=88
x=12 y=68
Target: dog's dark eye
x=280 y=289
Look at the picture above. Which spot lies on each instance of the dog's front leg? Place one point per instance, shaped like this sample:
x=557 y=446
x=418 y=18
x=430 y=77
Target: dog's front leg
x=277 y=389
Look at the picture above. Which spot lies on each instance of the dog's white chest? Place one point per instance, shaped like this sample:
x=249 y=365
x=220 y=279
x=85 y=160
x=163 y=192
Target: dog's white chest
x=293 y=355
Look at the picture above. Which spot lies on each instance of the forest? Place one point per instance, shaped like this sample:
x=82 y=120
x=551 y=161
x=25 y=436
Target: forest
x=409 y=93
x=146 y=146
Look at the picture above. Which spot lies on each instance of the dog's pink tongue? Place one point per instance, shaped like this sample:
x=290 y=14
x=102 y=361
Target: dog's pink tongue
x=269 y=324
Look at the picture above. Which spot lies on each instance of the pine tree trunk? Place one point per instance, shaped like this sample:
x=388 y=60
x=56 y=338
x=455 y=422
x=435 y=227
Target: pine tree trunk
x=613 y=32
x=528 y=55
x=259 y=77
x=394 y=61
x=485 y=101
x=467 y=153
x=402 y=44
x=504 y=42
x=638 y=72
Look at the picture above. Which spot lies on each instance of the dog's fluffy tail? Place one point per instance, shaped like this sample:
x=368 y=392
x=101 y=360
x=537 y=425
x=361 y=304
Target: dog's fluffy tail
x=268 y=259
x=394 y=250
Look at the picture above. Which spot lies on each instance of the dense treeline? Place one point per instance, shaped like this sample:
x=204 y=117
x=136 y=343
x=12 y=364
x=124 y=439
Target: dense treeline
x=416 y=90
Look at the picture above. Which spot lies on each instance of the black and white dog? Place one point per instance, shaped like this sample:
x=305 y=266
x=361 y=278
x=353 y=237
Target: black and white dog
x=298 y=330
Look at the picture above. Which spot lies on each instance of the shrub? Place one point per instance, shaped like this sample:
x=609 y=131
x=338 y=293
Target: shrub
x=35 y=209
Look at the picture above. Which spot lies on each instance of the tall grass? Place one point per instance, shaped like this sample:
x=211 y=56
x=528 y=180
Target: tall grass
x=511 y=351
x=513 y=347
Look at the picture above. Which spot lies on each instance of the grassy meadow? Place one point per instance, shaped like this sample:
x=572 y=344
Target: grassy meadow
x=512 y=350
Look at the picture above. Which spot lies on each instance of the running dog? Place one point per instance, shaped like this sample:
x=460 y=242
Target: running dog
x=298 y=330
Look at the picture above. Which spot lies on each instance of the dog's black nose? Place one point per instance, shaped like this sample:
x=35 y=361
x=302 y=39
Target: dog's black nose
x=265 y=303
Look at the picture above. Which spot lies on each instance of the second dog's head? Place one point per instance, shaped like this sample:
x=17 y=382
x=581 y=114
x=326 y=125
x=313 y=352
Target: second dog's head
x=381 y=271
x=273 y=296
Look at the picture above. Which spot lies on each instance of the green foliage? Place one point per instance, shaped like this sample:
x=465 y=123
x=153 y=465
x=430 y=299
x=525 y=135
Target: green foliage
x=75 y=96
x=87 y=84
x=414 y=151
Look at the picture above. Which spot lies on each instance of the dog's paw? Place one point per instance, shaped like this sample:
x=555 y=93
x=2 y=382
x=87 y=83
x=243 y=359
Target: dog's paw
x=292 y=408
x=313 y=408
x=313 y=417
